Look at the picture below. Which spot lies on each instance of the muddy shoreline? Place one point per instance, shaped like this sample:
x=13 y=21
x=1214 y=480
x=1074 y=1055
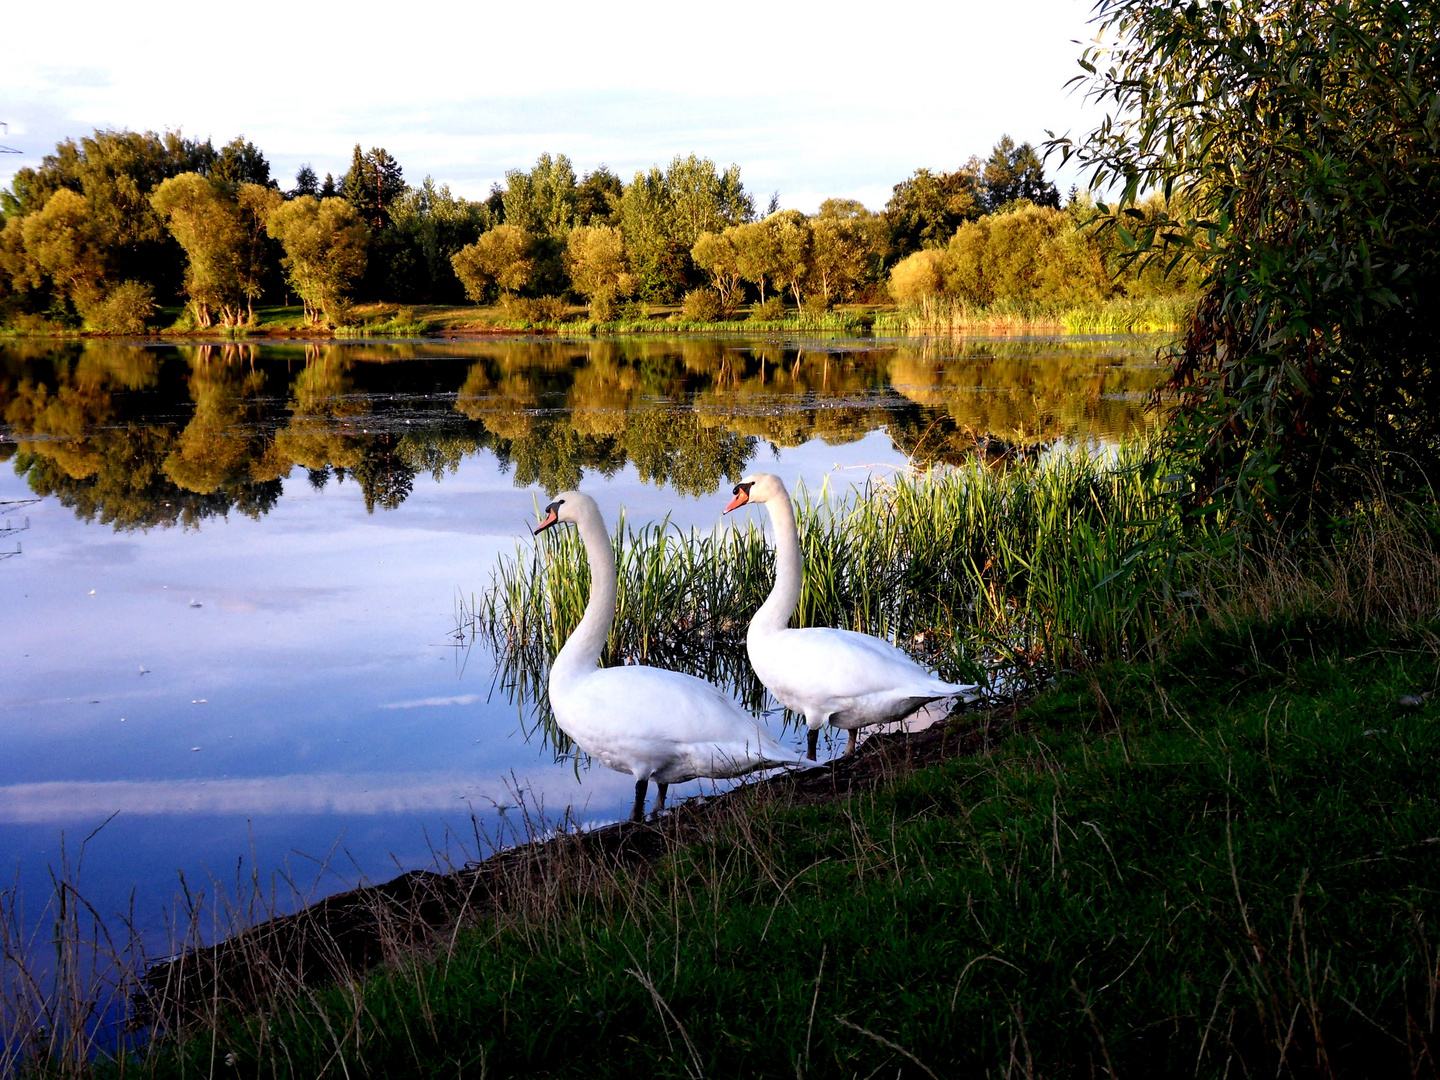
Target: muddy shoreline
x=340 y=938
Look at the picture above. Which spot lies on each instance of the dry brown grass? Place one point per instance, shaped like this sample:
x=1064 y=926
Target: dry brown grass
x=1383 y=571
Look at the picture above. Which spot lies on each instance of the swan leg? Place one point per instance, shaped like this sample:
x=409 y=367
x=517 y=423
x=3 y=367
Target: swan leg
x=811 y=741
x=850 y=742
x=660 y=790
x=638 y=814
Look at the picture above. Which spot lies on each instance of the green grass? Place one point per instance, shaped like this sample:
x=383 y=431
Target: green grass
x=1223 y=864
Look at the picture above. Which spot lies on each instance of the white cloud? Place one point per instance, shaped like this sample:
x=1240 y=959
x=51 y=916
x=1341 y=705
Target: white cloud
x=812 y=99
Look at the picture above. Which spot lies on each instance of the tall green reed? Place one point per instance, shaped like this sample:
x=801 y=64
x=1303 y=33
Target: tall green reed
x=1122 y=315
x=1015 y=571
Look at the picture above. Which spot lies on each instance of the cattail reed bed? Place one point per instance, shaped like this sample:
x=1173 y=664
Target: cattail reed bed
x=1006 y=573
x=1011 y=573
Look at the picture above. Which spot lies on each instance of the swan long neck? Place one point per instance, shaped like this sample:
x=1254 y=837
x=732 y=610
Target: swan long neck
x=774 y=614
x=582 y=649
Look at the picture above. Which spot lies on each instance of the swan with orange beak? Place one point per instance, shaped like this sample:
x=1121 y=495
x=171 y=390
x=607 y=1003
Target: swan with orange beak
x=652 y=723
x=830 y=676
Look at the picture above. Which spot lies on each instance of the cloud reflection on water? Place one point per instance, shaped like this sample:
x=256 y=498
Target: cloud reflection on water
x=61 y=802
x=463 y=699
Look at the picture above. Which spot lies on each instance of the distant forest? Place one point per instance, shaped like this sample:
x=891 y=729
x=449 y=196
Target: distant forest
x=117 y=224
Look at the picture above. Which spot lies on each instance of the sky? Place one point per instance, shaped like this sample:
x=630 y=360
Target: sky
x=811 y=99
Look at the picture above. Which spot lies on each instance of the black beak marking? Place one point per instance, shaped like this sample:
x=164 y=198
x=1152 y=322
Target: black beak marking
x=552 y=515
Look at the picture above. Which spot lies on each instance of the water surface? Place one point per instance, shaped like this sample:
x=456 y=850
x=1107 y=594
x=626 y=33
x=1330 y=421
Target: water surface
x=231 y=574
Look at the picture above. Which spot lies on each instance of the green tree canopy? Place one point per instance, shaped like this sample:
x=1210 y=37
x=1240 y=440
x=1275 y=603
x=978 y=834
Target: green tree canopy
x=849 y=244
x=543 y=201
x=325 y=244
x=241 y=162
x=306 y=182
x=717 y=255
x=115 y=172
x=1024 y=254
x=757 y=252
x=438 y=224
x=1300 y=139
x=794 y=251
x=595 y=261
x=502 y=257
x=1016 y=172
x=919 y=277
x=205 y=220
x=926 y=209
x=597 y=199
x=374 y=181
x=64 y=245
x=664 y=213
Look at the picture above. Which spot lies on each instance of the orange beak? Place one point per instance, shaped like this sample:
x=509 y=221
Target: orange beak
x=742 y=497
x=551 y=517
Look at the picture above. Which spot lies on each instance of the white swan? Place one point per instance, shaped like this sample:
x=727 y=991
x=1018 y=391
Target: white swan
x=654 y=724
x=827 y=675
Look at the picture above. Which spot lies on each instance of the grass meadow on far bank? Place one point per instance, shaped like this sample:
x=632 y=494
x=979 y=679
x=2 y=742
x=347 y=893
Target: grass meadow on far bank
x=389 y=320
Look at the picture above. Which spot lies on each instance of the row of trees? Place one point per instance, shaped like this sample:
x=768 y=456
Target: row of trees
x=114 y=224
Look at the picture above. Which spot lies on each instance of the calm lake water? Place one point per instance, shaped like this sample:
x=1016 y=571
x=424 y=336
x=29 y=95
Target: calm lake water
x=230 y=575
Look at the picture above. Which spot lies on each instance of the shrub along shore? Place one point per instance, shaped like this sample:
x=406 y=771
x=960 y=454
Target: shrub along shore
x=1204 y=843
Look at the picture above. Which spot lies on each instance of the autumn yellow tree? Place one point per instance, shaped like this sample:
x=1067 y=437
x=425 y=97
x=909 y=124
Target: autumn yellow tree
x=324 y=241
x=595 y=261
x=503 y=257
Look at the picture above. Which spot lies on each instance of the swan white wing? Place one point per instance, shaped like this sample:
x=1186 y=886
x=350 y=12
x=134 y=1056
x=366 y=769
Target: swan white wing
x=842 y=675
x=663 y=724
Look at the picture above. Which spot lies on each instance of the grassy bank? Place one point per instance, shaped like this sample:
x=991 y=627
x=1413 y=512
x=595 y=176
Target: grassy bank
x=1219 y=864
x=381 y=320
x=1205 y=846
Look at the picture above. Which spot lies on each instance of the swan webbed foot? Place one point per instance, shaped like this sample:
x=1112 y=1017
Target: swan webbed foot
x=850 y=742
x=812 y=740
x=638 y=814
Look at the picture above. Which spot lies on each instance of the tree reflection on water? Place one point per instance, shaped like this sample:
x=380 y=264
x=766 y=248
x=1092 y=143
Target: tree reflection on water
x=137 y=436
